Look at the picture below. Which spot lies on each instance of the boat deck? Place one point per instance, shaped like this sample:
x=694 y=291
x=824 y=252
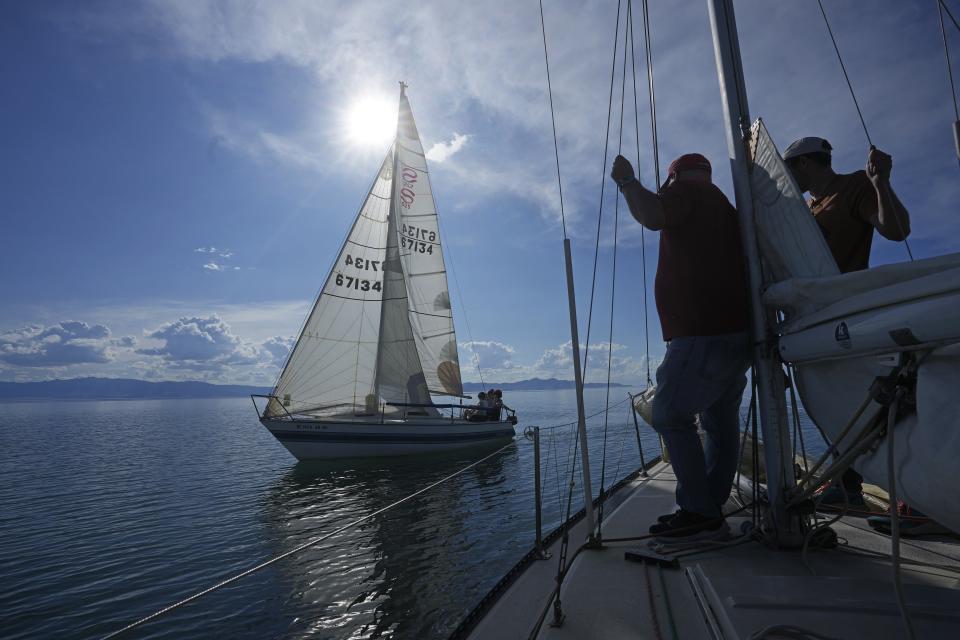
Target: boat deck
x=734 y=590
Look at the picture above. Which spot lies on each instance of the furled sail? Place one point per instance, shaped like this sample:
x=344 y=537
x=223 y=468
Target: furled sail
x=791 y=243
x=332 y=367
x=421 y=255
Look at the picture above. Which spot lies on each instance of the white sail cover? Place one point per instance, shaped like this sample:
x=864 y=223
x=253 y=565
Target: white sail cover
x=791 y=243
x=381 y=329
x=420 y=253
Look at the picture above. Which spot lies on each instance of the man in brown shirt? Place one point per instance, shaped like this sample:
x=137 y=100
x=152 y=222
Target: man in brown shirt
x=848 y=207
x=701 y=295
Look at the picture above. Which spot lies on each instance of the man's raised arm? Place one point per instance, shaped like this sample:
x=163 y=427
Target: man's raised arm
x=645 y=205
x=892 y=219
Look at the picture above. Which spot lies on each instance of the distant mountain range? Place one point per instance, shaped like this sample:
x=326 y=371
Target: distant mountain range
x=128 y=389
x=119 y=389
x=535 y=384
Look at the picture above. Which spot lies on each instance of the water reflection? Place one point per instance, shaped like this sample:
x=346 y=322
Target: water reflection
x=405 y=572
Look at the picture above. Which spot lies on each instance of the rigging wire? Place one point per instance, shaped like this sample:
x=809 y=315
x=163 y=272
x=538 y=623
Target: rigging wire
x=553 y=121
x=562 y=556
x=613 y=279
x=947 y=9
x=466 y=319
x=843 y=68
x=953 y=90
x=946 y=54
x=856 y=103
x=603 y=185
x=656 y=162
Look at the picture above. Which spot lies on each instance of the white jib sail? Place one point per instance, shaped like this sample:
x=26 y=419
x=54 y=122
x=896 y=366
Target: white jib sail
x=332 y=367
x=421 y=256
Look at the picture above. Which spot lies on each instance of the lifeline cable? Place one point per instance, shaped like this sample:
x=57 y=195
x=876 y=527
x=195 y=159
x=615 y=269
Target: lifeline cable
x=301 y=547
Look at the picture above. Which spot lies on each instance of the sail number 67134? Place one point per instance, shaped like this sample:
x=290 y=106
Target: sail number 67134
x=360 y=284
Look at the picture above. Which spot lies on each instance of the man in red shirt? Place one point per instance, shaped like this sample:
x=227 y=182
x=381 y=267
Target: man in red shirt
x=701 y=295
x=848 y=207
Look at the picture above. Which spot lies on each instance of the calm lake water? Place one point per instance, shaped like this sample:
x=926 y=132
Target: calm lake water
x=110 y=511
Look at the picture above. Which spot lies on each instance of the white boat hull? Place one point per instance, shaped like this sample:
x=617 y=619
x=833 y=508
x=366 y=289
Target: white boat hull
x=327 y=439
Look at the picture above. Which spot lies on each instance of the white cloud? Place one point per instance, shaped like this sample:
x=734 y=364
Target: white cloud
x=65 y=344
x=279 y=348
x=201 y=343
x=489 y=355
x=217 y=256
x=442 y=151
x=558 y=362
x=223 y=253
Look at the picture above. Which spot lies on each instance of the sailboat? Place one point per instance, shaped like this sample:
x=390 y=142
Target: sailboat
x=380 y=342
x=875 y=357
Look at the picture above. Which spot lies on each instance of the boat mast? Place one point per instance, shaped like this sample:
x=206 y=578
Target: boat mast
x=391 y=221
x=578 y=376
x=770 y=382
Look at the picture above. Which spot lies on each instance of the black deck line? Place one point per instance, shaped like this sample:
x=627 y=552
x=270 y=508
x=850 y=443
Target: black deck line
x=487 y=601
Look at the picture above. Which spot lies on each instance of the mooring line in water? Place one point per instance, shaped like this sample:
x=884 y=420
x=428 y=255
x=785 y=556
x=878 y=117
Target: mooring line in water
x=305 y=545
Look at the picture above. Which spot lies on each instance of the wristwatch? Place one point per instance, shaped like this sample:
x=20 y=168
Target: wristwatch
x=628 y=180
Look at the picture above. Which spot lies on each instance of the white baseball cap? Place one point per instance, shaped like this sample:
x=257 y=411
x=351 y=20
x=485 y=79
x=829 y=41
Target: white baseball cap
x=803 y=146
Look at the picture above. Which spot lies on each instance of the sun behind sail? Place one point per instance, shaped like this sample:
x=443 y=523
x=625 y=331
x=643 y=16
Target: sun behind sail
x=381 y=329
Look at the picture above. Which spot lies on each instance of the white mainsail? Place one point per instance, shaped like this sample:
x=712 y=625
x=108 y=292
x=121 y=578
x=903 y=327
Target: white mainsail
x=421 y=255
x=381 y=329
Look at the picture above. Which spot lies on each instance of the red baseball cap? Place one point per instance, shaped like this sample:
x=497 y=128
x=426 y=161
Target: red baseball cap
x=689 y=162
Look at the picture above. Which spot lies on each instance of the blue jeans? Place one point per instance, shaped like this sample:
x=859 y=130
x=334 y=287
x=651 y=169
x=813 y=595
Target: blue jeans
x=705 y=376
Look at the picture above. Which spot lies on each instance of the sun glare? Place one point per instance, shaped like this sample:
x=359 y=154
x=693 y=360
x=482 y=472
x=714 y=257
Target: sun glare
x=371 y=121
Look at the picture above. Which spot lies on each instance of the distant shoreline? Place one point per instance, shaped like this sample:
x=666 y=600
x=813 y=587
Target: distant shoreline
x=131 y=389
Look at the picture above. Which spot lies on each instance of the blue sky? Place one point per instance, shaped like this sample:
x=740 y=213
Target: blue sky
x=178 y=175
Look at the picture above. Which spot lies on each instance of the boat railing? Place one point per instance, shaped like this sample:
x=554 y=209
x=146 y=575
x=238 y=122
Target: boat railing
x=461 y=411
x=268 y=396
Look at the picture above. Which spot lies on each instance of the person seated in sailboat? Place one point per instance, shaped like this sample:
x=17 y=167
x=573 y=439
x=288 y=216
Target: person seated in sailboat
x=848 y=207
x=701 y=297
x=497 y=405
x=480 y=412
